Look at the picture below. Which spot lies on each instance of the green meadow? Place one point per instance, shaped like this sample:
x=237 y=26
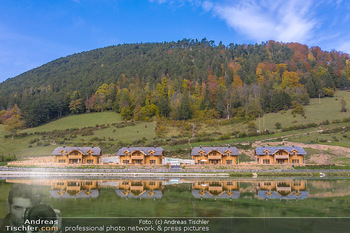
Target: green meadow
x=317 y=111
x=108 y=131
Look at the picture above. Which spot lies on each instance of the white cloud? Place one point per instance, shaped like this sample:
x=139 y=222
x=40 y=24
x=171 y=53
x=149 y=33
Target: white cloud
x=288 y=21
x=261 y=20
x=207 y=6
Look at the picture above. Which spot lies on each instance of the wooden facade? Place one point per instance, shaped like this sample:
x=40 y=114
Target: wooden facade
x=215 y=188
x=287 y=189
x=74 y=189
x=140 y=189
x=215 y=155
x=77 y=155
x=141 y=155
x=280 y=155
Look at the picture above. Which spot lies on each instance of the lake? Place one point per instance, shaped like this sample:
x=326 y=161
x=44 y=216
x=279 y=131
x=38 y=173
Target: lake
x=190 y=198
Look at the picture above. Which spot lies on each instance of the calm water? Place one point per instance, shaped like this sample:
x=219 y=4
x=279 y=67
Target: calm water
x=285 y=197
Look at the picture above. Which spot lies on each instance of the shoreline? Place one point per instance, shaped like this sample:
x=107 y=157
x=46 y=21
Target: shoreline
x=16 y=172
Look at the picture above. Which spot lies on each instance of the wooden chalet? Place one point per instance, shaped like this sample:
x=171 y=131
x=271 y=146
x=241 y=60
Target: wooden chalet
x=141 y=155
x=216 y=189
x=288 y=189
x=280 y=155
x=77 y=155
x=215 y=155
x=75 y=189
x=140 y=189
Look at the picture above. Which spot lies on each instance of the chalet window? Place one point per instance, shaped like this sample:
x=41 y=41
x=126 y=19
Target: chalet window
x=73 y=183
x=266 y=161
x=88 y=183
x=152 y=162
x=72 y=161
x=125 y=182
x=138 y=154
x=138 y=161
x=90 y=161
x=216 y=184
x=61 y=161
x=125 y=161
x=229 y=183
x=75 y=153
x=214 y=153
x=283 y=184
x=296 y=183
x=60 y=183
x=228 y=161
x=200 y=183
x=267 y=183
x=295 y=161
x=152 y=183
x=214 y=161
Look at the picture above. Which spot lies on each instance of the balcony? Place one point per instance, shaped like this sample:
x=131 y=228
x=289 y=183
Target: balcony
x=135 y=157
x=282 y=156
x=214 y=157
x=75 y=156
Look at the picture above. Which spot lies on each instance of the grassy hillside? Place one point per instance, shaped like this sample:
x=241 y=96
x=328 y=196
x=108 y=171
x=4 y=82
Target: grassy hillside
x=79 y=121
x=317 y=111
x=87 y=129
x=109 y=132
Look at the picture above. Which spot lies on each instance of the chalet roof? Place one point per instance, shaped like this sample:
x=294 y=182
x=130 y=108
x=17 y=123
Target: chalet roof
x=234 y=195
x=92 y=194
x=156 y=194
x=195 y=150
x=260 y=150
x=145 y=150
x=263 y=194
x=84 y=150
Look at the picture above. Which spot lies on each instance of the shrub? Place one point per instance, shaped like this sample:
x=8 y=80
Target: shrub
x=278 y=125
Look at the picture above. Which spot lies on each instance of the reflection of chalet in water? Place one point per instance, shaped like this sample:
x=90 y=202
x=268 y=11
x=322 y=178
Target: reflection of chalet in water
x=77 y=155
x=216 y=189
x=282 y=190
x=74 y=189
x=215 y=155
x=140 y=189
x=280 y=155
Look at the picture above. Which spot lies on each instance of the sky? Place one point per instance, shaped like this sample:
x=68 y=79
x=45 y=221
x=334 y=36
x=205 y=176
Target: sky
x=34 y=32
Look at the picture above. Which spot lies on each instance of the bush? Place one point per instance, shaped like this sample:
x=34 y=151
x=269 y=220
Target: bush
x=8 y=158
x=224 y=137
x=278 y=125
x=33 y=140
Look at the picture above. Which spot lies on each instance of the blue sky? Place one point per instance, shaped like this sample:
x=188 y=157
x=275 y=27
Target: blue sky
x=34 y=32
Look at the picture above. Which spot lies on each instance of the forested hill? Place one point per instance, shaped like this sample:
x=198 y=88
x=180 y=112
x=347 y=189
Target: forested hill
x=179 y=80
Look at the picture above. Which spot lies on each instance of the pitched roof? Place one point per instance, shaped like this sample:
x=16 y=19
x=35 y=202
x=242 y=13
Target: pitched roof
x=92 y=194
x=145 y=150
x=260 y=150
x=263 y=194
x=156 y=194
x=195 y=150
x=224 y=195
x=84 y=150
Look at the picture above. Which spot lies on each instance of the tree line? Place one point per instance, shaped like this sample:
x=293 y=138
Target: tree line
x=178 y=80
